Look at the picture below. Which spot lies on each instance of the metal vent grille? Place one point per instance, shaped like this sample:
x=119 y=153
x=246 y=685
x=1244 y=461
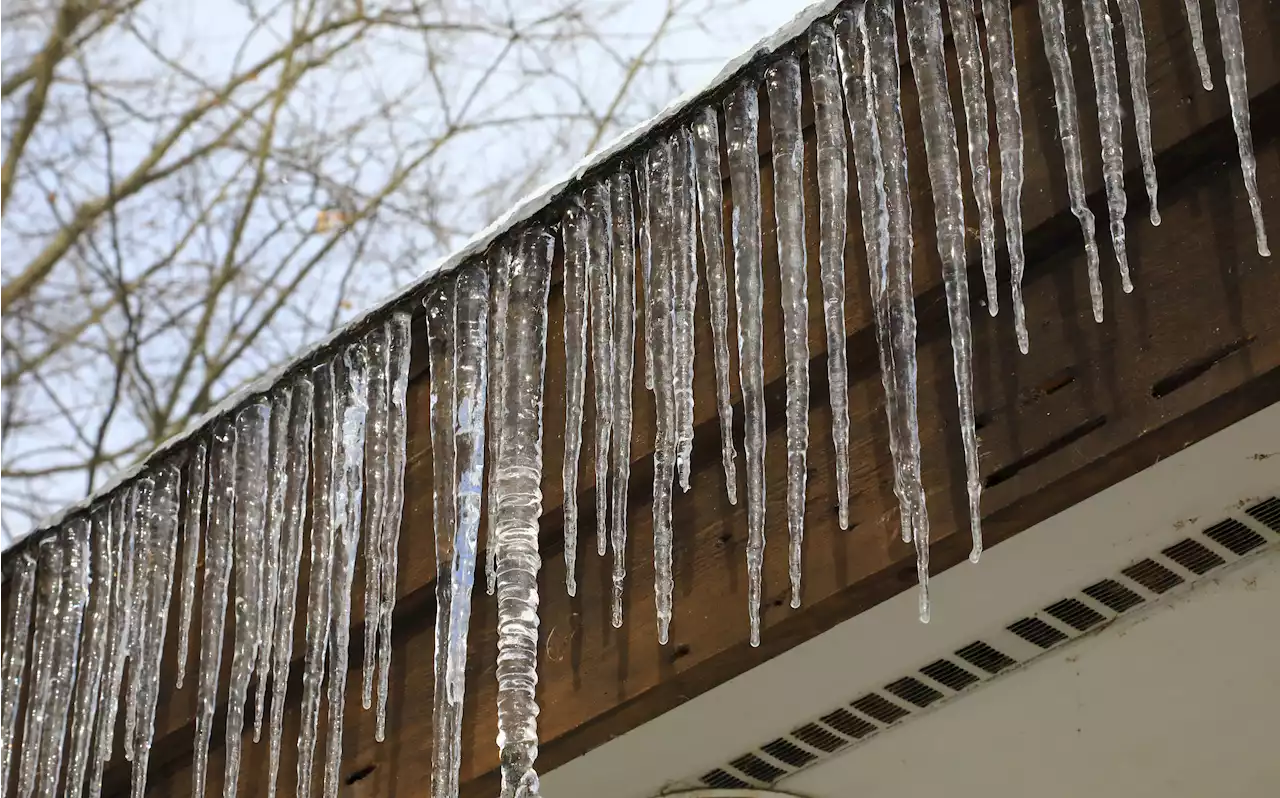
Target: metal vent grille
x=913 y=690
x=814 y=736
x=1194 y=557
x=877 y=707
x=948 y=674
x=1234 y=536
x=1113 y=595
x=1037 y=632
x=788 y=753
x=1075 y=613
x=849 y=724
x=945 y=678
x=985 y=657
x=1153 y=576
x=1267 y=513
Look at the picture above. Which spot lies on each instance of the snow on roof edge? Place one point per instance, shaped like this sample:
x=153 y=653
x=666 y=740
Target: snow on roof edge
x=525 y=209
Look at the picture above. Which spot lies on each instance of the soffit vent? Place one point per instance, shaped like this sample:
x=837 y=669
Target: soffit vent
x=1253 y=530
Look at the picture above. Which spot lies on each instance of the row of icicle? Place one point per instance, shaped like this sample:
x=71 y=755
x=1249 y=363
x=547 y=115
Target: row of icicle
x=87 y=611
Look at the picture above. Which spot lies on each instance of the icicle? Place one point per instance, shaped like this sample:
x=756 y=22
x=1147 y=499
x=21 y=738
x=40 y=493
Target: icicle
x=973 y=88
x=1054 y=32
x=706 y=157
x=161 y=550
x=852 y=47
x=191 y=529
x=213 y=598
x=277 y=475
x=659 y=315
x=49 y=571
x=645 y=247
x=499 y=284
x=600 y=288
x=1229 y=29
x=297 y=472
x=519 y=504
x=123 y=559
x=833 y=178
x=17 y=636
x=441 y=306
x=252 y=451
x=883 y=57
x=1197 y=42
x=94 y=651
x=324 y=453
x=376 y=487
x=398 y=346
x=1135 y=44
x=1102 y=55
x=684 y=295
x=782 y=80
x=348 y=501
x=1004 y=80
x=66 y=645
x=742 y=116
x=471 y=380
x=624 y=343
x=924 y=42
x=142 y=496
x=576 y=228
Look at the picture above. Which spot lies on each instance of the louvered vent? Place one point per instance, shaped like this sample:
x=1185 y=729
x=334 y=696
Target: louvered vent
x=942 y=680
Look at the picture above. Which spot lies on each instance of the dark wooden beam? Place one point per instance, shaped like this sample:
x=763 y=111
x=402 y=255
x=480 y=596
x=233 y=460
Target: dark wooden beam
x=1194 y=348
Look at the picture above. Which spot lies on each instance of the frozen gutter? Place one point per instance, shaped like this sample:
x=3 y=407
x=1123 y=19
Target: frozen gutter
x=538 y=202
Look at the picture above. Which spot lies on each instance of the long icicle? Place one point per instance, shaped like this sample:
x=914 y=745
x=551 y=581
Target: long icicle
x=1102 y=55
x=163 y=542
x=833 y=180
x=399 y=345
x=213 y=598
x=143 y=493
x=471 y=351
x=742 y=117
x=624 y=343
x=1135 y=45
x=883 y=55
x=17 y=637
x=1196 y=25
x=644 y=225
x=1053 y=30
x=123 y=559
x=441 y=307
x=852 y=46
x=706 y=157
x=600 y=290
x=94 y=651
x=1004 y=81
x=348 y=502
x=925 y=46
x=192 y=528
x=684 y=295
x=75 y=591
x=376 y=486
x=1229 y=29
x=252 y=444
x=277 y=480
x=576 y=226
x=519 y=505
x=49 y=586
x=324 y=458
x=297 y=473
x=662 y=344
x=499 y=286
x=973 y=89
x=782 y=82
